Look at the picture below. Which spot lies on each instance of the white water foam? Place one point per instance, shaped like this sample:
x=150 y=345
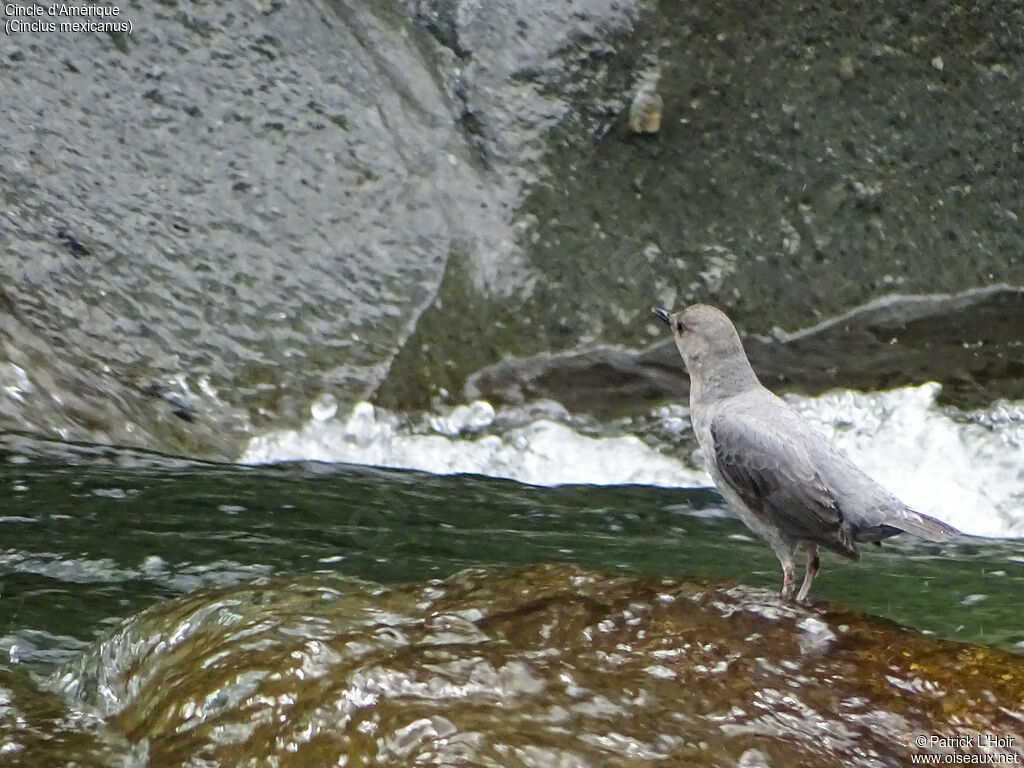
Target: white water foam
x=966 y=469
x=543 y=452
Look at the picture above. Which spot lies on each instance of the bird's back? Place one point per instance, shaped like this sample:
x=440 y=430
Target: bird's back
x=786 y=469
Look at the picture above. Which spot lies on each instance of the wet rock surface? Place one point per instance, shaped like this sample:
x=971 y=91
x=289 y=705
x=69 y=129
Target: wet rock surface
x=241 y=206
x=37 y=726
x=789 y=181
x=237 y=204
x=539 y=666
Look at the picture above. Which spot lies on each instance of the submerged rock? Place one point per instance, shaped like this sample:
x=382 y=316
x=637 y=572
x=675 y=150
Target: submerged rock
x=36 y=727
x=547 y=665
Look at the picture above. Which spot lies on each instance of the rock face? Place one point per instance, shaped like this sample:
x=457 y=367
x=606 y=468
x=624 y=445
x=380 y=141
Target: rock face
x=968 y=342
x=216 y=218
x=541 y=666
x=243 y=205
x=789 y=181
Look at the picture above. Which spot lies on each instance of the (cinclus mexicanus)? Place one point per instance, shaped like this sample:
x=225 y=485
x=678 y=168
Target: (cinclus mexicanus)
x=789 y=483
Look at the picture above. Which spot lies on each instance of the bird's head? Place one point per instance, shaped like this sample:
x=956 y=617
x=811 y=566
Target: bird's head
x=708 y=343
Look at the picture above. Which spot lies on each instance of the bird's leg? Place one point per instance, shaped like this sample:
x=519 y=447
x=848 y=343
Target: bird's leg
x=813 y=563
x=788 y=573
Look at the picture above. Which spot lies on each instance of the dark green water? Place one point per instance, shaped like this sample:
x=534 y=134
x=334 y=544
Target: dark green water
x=84 y=544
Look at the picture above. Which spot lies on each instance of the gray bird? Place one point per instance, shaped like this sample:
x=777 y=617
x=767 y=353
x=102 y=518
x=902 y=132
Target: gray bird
x=789 y=483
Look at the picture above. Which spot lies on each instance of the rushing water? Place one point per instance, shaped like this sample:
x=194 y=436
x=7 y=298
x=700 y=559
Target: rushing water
x=966 y=468
x=165 y=612
x=99 y=535
x=86 y=545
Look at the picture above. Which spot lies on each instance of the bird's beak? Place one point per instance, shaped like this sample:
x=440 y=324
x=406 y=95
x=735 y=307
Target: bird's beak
x=661 y=314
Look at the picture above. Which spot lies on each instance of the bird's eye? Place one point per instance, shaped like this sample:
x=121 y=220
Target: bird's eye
x=679 y=326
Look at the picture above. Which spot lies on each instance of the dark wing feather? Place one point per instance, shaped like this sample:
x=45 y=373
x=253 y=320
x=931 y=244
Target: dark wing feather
x=777 y=479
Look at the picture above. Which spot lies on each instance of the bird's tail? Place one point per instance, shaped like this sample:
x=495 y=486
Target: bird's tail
x=926 y=527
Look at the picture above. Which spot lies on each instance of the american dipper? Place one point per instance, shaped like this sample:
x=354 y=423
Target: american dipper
x=789 y=483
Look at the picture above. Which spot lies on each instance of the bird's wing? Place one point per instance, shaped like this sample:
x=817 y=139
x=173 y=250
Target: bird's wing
x=775 y=475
